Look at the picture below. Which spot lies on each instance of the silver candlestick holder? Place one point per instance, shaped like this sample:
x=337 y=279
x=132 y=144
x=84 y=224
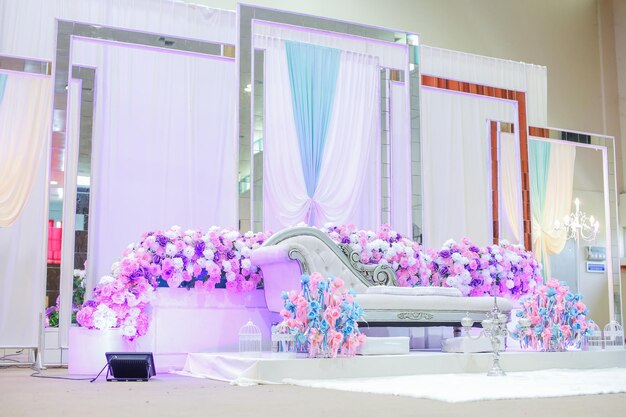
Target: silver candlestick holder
x=494 y=327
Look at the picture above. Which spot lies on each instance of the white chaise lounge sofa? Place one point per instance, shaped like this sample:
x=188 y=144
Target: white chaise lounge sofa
x=291 y=252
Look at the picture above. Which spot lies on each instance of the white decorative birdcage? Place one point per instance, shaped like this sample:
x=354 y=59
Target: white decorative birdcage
x=613 y=336
x=595 y=341
x=250 y=339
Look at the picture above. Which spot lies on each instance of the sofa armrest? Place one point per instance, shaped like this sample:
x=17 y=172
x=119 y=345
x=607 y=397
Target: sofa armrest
x=269 y=255
x=281 y=272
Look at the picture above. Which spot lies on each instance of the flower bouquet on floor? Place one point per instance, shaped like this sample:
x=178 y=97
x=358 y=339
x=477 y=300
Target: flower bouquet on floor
x=558 y=319
x=323 y=317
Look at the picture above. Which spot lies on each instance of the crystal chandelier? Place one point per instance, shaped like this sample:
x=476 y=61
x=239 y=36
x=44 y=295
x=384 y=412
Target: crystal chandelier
x=578 y=225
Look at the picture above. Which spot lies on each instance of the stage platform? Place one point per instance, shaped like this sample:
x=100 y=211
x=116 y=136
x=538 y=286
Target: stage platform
x=273 y=368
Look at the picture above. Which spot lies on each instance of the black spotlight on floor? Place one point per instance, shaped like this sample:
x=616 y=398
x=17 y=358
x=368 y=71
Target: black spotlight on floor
x=126 y=366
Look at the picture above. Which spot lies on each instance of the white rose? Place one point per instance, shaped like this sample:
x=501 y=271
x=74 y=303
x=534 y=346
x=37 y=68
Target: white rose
x=107 y=279
x=115 y=269
x=178 y=263
x=129 y=331
x=246 y=263
x=104 y=317
x=226 y=266
x=448 y=243
x=170 y=249
x=189 y=251
x=131 y=299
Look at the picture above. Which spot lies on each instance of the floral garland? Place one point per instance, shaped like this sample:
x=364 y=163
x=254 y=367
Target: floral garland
x=558 y=319
x=323 y=316
x=221 y=257
x=507 y=269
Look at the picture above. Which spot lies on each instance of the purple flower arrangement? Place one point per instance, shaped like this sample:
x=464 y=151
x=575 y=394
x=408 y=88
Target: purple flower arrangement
x=178 y=258
x=557 y=318
x=506 y=270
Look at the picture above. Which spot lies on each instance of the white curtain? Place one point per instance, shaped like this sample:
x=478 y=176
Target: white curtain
x=24 y=127
x=389 y=54
x=348 y=190
x=24 y=132
x=558 y=202
x=164 y=147
x=494 y=72
x=456 y=164
x=510 y=188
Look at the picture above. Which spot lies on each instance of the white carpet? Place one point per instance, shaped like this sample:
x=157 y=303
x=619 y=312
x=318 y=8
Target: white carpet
x=455 y=388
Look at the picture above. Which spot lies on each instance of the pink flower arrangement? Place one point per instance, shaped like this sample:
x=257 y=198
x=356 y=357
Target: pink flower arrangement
x=190 y=259
x=557 y=318
x=323 y=316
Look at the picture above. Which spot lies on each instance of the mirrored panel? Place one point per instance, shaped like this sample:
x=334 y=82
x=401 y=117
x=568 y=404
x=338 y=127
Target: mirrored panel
x=252 y=97
x=574 y=215
x=506 y=183
x=72 y=143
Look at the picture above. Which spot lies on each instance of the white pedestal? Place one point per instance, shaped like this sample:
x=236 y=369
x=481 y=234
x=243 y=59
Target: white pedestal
x=87 y=349
x=183 y=321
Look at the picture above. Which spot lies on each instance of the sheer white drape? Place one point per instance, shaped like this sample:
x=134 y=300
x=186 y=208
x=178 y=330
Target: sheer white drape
x=510 y=188
x=493 y=72
x=348 y=190
x=558 y=202
x=389 y=54
x=456 y=164
x=164 y=148
x=24 y=126
x=24 y=129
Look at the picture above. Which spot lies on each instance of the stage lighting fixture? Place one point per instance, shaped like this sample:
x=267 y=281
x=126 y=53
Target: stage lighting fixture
x=129 y=366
